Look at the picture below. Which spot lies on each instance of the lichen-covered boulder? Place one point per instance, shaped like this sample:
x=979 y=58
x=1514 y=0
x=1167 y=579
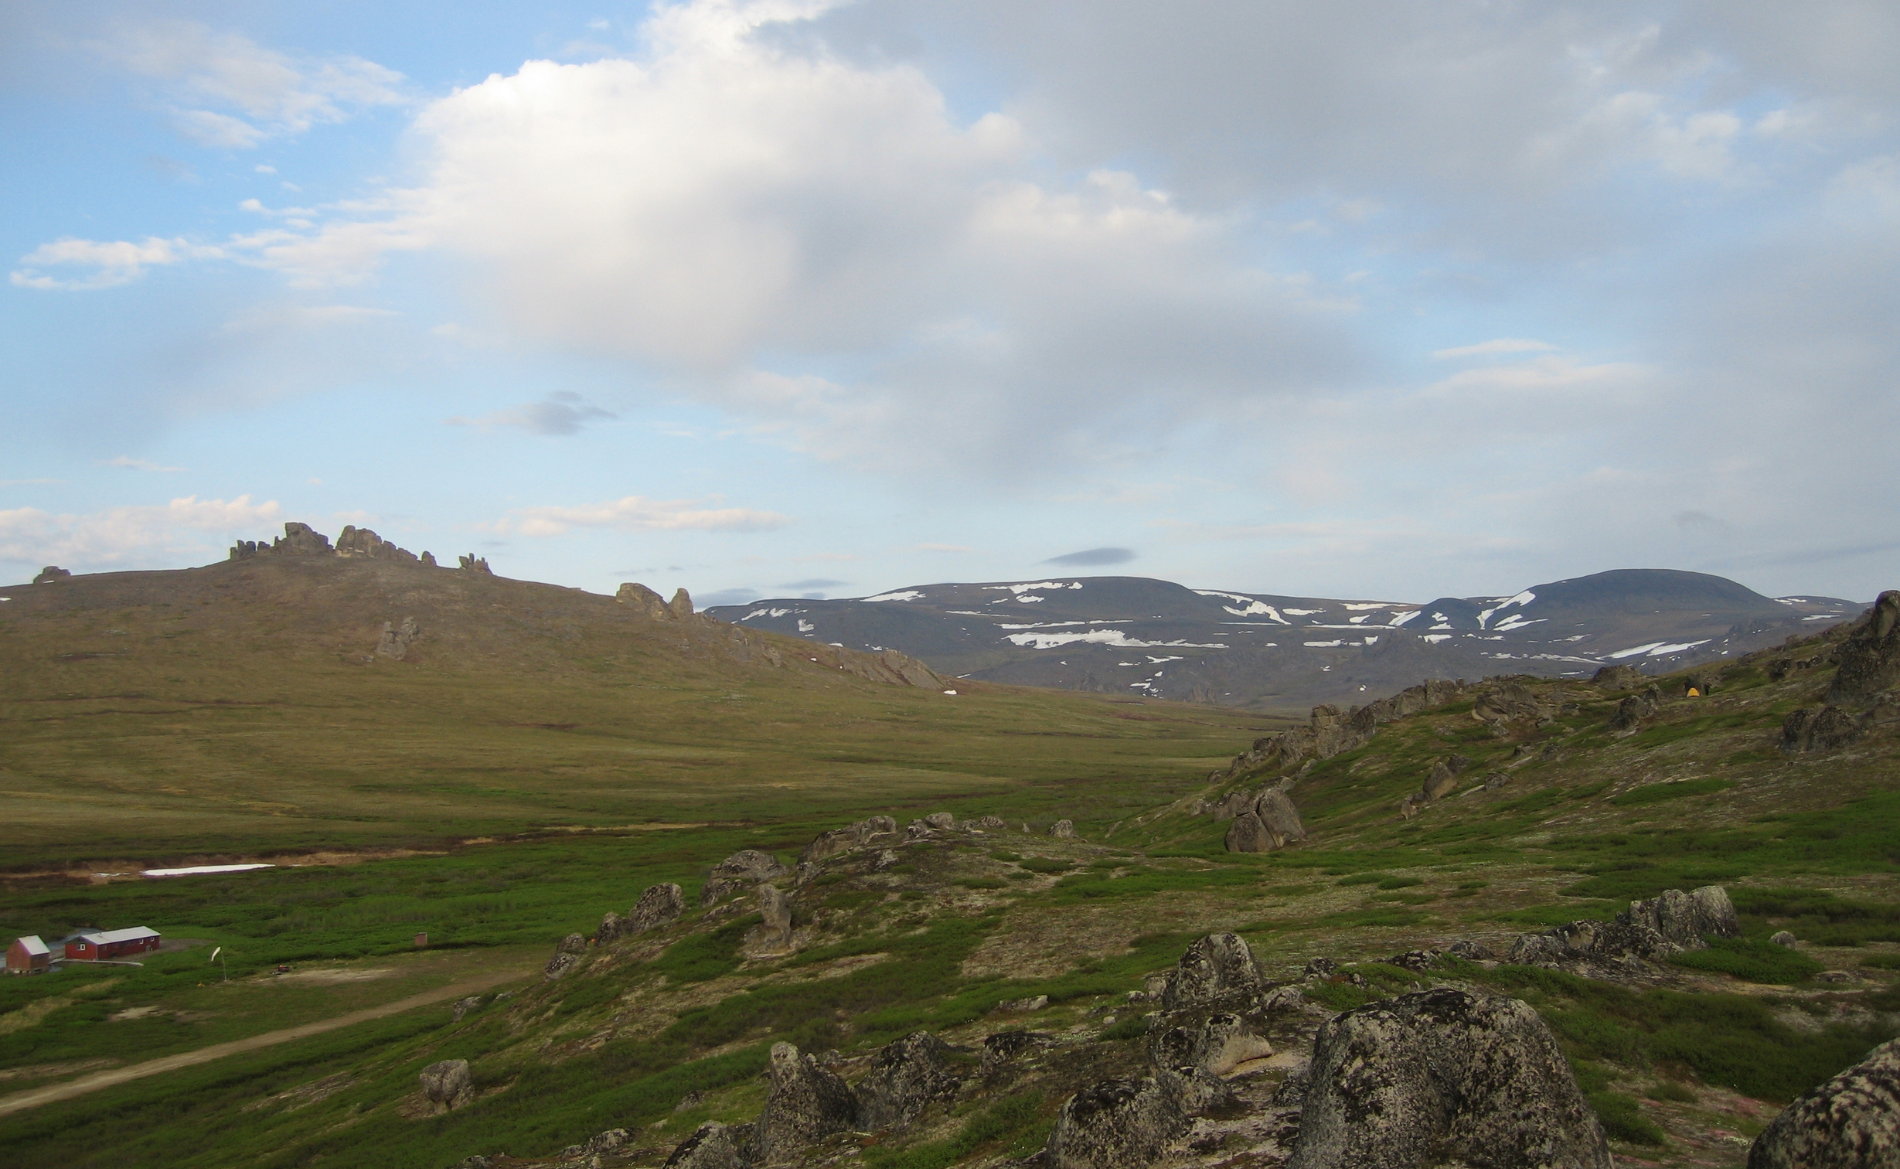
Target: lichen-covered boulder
x=1685 y=918
x=1249 y=833
x=657 y=906
x=1063 y=830
x=1277 y=812
x=746 y=867
x=907 y=1076
x=805 y=1103
x=1443 y=1076
x=712 y=1146
x=1117 y=1124
x=1850 y=1122
x=448 y=1084
x=1215 y=969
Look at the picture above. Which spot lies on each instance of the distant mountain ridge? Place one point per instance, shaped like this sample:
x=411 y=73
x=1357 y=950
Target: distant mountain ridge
x=1155 y=638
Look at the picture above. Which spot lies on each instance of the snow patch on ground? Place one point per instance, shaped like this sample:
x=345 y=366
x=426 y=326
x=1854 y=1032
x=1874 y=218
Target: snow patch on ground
x=196 y=870
x=905 y=595
x=765 y=613
x=1398 y=619
x=1041 y=584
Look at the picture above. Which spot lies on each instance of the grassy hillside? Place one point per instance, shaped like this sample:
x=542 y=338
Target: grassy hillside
x=242 y=708
x=1560 y=810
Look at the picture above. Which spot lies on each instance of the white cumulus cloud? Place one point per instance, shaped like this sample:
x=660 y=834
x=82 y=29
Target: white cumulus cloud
x=130 y=536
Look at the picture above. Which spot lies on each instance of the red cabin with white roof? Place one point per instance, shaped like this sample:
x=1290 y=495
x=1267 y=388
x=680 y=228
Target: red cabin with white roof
x=96 y=945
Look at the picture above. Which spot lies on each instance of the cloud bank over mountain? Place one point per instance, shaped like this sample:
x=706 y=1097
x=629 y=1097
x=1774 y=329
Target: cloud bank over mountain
x=1306 y=295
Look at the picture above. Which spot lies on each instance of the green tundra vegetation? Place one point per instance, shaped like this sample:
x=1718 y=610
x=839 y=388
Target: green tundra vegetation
x=545 y=756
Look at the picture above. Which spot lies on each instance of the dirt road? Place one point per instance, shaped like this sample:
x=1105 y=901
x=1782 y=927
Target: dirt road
x=33 y=1098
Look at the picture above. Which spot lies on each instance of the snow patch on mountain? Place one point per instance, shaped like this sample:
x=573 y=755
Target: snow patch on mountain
x=1114 y=637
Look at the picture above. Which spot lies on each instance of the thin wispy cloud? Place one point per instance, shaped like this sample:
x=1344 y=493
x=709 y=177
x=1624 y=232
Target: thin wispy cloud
x=559 y=414
x=637 y=514
x=132 y=464
x=1494 y=348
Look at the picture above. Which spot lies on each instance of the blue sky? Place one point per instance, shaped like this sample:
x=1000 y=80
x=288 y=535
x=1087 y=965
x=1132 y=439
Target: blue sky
x=792 y=297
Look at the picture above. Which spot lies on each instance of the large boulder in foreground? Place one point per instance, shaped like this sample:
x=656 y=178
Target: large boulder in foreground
x=1850 y=1122
x=1117 y=1124
x=1444 y=1076
x=1218 y=968
x=805 y=1103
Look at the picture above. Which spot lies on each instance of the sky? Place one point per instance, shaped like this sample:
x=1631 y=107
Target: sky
x=809 y=298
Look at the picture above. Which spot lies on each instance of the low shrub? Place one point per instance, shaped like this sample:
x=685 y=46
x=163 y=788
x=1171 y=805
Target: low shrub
x=1751 y=960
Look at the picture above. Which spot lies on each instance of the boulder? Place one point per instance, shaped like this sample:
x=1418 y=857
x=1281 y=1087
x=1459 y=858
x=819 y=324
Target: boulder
x=52 y=574
x=1063 y=830
x=1850 y=1122
x=941 y=821
x=473 y=563
x=448 y=1084
x=1443 y=779
x=1782 y=938
x=607 y=1142
x=1619 y=678
x=1654 y=929
x=1234 y=804
x=1219 y=1045
x=1444 y=1076
x=572 y=944
x=428 y=560
x=773 y=935
x=875 y=829
x=712 y=1146
x=1215 y=969
x=681 y=606
x=657 y=906
x=1194 y=1090
x=1809 y=731
x=745 y=867
x=644 y=601
x=1870 y=657
x=558 y=965
x=355 y=542
x=1248 y=833
x=805 y=1103
x=906 y=1077
x=394 y=643
x=1277 y=812
x=1685 y=918
x=1117 y=1124
x=1508 y=700
x=1592 y=941
x=988 y=824
x=301 y=540
x=1631 y=712
x=463 y=1006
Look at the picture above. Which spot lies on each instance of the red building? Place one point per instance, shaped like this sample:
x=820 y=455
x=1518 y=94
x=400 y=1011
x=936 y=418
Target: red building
x=28 y=955
x=94 y=945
